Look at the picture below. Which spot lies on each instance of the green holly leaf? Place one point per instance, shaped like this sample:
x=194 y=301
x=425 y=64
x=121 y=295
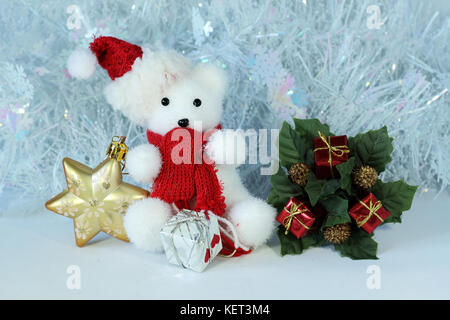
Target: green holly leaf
x=291 y=245
x=309 y=158
x=309 y=129
x=273 y=196
x=276 y=200
x=291 y=147
x=317 y=189
x=360 y=245
x=337 y=209
x=345 y=171
x=372 y=148
x=352 y=147
x=284 y=186
x=314 y=188
x=395 y=197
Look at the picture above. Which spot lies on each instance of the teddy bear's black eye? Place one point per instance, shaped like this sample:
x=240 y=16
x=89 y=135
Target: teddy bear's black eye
x=165 y=101
x=197 y=102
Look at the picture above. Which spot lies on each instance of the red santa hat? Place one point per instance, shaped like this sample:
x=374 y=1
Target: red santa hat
x=140 y=75
x=114 y=55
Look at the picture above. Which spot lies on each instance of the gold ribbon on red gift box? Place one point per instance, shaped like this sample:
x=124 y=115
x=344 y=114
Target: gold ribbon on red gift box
x=293 y=211
x=337 y=151
x=373 y=208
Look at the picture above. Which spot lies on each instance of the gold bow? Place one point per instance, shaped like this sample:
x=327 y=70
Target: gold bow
x=373 y=208
x=337 y=151
x=293 y=211
x=118 y=150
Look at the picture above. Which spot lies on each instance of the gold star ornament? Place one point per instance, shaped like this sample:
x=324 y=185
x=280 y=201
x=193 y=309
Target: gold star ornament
x=97 y=199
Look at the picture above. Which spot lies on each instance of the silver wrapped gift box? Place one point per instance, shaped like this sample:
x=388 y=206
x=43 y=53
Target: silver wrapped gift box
x=191 y=239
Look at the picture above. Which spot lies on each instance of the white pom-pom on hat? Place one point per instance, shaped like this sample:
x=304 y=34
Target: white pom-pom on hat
x=81 y=63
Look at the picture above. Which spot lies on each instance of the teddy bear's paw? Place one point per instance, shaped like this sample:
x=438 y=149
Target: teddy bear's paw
x=144 y=163
x=254 y=220
x=143 y=222
x=227 y=147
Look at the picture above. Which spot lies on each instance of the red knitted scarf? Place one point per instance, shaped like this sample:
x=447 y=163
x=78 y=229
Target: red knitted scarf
x=192 y=179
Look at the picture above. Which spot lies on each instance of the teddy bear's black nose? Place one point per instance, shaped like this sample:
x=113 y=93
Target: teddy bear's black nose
x=183 y=123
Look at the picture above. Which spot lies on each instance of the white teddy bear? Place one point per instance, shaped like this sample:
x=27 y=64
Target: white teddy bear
x=164 y=92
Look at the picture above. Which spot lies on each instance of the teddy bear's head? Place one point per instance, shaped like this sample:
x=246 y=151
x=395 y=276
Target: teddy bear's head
x=160 y=90
x=165 y=91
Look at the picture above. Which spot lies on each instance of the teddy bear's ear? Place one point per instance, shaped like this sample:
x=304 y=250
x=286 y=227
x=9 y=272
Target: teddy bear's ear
x=214 y=78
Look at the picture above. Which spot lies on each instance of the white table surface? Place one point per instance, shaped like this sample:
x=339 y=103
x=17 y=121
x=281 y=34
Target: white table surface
x=36 y=250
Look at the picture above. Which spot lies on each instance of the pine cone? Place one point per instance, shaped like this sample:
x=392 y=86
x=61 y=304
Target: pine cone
x=365 y=177
x=298 y=173
x=337 y=233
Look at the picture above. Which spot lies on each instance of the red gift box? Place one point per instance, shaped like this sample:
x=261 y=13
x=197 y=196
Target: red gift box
x=369 y=213
x=296 y=218
x=328 y=153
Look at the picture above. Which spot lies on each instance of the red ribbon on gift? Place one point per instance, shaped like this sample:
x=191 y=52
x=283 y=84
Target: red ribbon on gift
x=229 y=249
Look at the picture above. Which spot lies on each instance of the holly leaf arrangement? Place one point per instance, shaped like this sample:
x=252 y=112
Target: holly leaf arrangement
x=369 y=151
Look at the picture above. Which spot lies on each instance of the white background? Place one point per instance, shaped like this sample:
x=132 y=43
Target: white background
x=35 y=252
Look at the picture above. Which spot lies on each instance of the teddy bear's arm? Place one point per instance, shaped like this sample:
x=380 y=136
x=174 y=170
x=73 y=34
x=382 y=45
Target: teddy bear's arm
x=226 y=147
x=144 y=163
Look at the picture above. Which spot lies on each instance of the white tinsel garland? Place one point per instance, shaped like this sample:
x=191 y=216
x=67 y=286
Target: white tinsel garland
x=352 y=66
